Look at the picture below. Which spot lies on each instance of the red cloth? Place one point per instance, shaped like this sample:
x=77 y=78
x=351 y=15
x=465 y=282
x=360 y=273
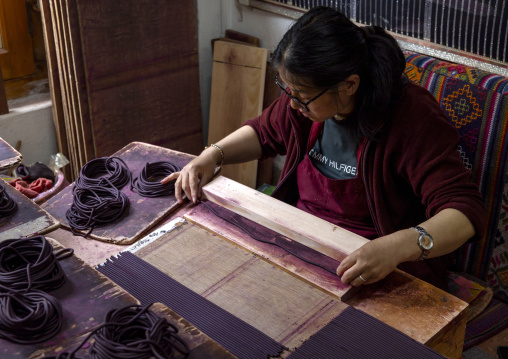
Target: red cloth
x=32 y=189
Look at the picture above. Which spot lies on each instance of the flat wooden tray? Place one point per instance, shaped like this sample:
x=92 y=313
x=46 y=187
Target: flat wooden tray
x=28 y=220
x=143 y=213
x=9 y=157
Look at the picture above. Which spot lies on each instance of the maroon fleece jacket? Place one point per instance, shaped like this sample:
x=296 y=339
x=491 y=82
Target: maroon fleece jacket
x=411 y=169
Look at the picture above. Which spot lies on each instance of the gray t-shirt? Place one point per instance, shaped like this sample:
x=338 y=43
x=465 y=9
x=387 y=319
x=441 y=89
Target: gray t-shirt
x=334 y=154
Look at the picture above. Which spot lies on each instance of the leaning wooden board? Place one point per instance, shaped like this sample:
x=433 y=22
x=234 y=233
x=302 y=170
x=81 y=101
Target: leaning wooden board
x=28 y=220
x=9 y=157
x=238 y=80
x=143 y=213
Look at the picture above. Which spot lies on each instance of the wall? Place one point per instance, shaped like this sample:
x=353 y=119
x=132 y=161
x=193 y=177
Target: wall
x=30 y=120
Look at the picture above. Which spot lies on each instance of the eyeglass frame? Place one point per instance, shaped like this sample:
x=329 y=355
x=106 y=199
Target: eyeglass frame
x=303 y=105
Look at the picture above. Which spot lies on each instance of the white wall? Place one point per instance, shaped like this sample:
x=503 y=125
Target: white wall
x=30 y=120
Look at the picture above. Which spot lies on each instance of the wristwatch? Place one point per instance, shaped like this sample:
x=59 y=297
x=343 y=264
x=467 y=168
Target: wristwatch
x=425 y=242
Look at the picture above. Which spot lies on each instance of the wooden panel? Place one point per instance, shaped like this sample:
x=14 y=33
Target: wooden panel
x=144 y=213
x=142 y=71
x=28 y=220
x=54 y=82
x=312 y=274
x=86 y=297
x=238 y=78
x=16 y=57
x=283 y=307
x=9 y=157
x=318 y=234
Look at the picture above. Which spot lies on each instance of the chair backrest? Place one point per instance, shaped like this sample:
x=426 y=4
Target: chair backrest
x=476 y=102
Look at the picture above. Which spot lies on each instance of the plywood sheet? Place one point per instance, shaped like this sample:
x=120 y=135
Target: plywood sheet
x=142 y=71
x=276 y=303
x=86 y=297
x=28 y=220
x=9 y=157
x=144 y=213
x=238 y=79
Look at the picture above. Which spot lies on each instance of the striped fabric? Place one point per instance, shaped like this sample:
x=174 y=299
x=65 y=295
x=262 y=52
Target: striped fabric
x=476 y=103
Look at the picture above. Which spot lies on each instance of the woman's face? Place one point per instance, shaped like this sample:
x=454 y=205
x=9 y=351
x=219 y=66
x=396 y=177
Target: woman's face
x=334 y=102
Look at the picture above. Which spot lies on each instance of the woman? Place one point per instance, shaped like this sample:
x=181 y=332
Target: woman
x=365 y=149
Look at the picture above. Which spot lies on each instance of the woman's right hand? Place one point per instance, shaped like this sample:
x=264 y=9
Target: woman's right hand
x=194 y=175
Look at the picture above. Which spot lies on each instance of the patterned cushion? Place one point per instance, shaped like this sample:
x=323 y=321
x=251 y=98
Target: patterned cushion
x=476 y=102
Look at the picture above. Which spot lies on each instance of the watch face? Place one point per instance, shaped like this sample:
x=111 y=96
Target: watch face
x=426 y=242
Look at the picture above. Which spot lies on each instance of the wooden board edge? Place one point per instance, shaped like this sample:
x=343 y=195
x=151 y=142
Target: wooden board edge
x=317 y=233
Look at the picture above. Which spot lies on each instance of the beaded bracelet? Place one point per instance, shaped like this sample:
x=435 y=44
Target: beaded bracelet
x=221 y=152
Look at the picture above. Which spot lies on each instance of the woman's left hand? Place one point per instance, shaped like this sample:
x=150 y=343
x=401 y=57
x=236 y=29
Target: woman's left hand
x=370 y=263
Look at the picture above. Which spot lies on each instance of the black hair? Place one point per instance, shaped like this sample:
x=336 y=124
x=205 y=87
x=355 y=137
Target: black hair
x=323 y=48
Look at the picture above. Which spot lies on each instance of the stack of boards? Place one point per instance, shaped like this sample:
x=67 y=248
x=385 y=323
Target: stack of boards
x=122 y=73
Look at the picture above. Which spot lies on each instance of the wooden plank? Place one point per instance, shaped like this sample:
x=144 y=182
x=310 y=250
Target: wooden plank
x=314 y=275
x=238 y=36
x=68 y=64
x=278 y=304
x=78 y=72
x=9 y=157
x=54 y=83
x=86 y=297
x=238 y=77
x=143 y=213
x=28 y=220
x=418 y=309
x=149 y=79
x=318 y=234
x=69 y=129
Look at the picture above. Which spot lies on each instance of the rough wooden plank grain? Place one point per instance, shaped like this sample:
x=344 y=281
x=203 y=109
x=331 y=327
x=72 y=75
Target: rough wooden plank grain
x=142 y=74
x=238 y=77
x=314 y=275
x=28 y=220
x=54 y=82
x=302 y=227
x=143 y=213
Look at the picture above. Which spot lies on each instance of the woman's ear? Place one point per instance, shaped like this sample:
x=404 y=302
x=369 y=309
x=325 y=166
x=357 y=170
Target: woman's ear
x=351 y=84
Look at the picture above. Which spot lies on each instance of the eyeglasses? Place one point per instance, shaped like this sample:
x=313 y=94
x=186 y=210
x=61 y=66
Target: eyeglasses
x=303 y=105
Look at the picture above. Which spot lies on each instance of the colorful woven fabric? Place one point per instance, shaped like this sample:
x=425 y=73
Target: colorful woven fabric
x=476 y=102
